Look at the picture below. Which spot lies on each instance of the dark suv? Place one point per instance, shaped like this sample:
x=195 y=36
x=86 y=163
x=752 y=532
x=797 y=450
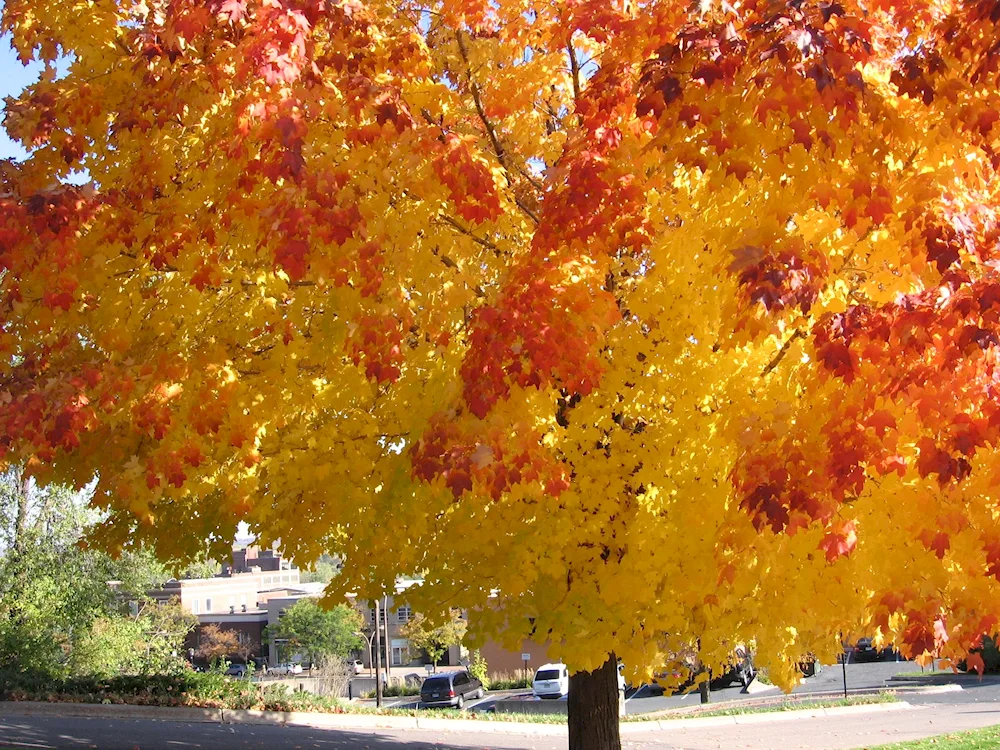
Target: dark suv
x=450 y=689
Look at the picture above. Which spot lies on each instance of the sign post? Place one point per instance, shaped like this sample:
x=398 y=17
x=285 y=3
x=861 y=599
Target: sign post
x=525 y=658
x=378 y=660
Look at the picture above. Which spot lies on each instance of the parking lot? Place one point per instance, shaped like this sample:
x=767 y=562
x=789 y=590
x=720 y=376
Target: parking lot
x=830 y=681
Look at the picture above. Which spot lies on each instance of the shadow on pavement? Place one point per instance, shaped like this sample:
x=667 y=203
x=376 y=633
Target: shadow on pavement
x=45 y=732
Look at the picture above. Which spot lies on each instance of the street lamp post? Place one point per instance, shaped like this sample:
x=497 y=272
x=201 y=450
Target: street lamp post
x=371 y=655
x=388 y=640
x=378 y=659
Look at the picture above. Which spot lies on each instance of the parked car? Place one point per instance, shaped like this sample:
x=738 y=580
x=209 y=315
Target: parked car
x=741 y=668
x=355 y=666
x=809 y=667
x=450 y=689
x=285 y=669
x=237 y=670
x=552 y=681
x=863 y=650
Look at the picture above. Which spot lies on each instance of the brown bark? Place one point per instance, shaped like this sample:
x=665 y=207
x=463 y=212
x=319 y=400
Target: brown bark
x=593 y=708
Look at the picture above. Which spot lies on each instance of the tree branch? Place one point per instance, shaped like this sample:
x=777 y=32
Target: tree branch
x=799 y=334
x=491 y=132
x=468 y=233
x=574 y=66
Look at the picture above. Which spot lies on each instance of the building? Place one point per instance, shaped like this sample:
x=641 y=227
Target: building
x=394 y=614
x=237 y=599
x=275 y=605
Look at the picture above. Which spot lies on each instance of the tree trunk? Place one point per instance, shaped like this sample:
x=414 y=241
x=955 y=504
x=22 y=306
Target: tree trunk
x=593 y=708
x=21 y=520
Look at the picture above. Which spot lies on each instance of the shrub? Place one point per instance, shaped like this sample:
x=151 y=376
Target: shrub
x=990 y=654
x=478 y=669
x=517 y=680
x=207 y=690
x=397 y=689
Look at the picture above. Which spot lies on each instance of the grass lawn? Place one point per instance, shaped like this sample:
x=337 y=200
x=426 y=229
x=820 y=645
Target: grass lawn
x=977 y=739
x=784 y=705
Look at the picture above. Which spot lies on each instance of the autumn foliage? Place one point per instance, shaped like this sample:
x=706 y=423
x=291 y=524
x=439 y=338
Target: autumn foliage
x=682 y=320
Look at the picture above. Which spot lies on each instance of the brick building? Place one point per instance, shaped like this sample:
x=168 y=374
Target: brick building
x=237 y=599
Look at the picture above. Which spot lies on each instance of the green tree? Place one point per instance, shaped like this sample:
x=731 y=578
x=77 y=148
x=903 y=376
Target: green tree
x=422 y=633
x=323 y=571
x=110 y=646
x=164 y=628
x=57 y=595
x=319 y=633
x=204 y=567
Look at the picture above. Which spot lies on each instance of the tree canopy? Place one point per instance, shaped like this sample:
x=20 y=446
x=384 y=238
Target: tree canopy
x=435 y=638
x=670 y=320
x=68 y=609
x=317 y=633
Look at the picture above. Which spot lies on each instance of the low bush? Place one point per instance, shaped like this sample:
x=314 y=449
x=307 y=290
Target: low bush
x=395 y=690
x=517 y=680
x=398 y=689
x=200 y=689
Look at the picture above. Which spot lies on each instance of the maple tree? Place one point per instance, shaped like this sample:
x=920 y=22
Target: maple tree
x=424 y=634
x=680 y=319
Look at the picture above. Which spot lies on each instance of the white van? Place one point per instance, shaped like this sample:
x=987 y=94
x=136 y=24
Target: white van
x=551 y=681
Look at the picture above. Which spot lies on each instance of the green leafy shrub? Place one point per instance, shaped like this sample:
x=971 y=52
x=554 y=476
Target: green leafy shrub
x=397 y=689
x=478 y=669
x=203 y=689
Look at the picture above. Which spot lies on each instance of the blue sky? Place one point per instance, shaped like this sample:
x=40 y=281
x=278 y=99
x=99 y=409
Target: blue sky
x=13 y=78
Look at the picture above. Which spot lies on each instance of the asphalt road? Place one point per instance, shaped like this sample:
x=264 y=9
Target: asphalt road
x=977 y=704
x=43 y=733
x=852 y=730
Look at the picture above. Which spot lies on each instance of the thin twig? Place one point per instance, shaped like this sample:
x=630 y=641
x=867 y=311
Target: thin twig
x=475 y=238
x=799 y=334
x=491 y=132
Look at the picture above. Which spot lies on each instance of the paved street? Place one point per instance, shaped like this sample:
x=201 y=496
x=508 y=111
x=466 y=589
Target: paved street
x=976 y=705
x=850 y=730
x=48 y=732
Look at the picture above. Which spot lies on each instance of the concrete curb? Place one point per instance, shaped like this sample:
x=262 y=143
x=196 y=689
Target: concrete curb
x=370 y=721
x=943 y=679
x=112 y=711
x=767 y=700
x=935 y=689
x=761 y=718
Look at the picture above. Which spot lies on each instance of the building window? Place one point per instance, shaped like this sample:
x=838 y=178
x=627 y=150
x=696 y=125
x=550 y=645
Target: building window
x=404 y=614
x=243 y=600
x=196 y=606
x=371 y=618
x=208 y=605
x=232 y=602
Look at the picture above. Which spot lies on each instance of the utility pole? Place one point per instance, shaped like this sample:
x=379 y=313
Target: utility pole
x=378 y=660
x=388 y=640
